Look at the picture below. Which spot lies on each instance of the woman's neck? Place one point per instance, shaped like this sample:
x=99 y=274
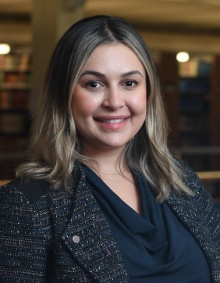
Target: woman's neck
x=108 y=162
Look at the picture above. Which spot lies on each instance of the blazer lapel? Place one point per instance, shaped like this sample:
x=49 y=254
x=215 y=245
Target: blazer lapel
x=89 y=238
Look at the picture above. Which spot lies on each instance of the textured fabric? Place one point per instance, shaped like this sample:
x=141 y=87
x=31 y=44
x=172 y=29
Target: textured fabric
x=61 y=236
x=155 y=246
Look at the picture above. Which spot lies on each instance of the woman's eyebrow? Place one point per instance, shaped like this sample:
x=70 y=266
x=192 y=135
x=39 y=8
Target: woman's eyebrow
x=94 y=73
x=135 y=72
x=98 y=74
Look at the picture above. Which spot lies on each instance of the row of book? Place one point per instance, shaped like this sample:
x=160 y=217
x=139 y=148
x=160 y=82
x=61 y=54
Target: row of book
x=19 y=61
x=11 y=123
x=13 y=78
x=14 y=99
x=195 y=67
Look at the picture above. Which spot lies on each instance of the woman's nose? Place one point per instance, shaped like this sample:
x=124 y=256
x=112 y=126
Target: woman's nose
x=113 y=98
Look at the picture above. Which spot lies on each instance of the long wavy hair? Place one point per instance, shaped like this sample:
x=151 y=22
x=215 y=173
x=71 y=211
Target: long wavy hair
x=54 y=144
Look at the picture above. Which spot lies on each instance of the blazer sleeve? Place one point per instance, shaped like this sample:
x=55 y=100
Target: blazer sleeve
x=24 y=237
x=206 y=208
x=209 y=214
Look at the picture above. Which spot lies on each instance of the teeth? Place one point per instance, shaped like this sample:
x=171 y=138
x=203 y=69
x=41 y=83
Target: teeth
x=115 y=121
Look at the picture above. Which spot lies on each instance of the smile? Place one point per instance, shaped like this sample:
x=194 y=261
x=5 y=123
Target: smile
x=112 y=121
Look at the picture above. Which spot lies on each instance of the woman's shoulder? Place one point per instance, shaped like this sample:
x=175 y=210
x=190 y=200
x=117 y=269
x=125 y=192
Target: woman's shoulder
x=27 y=189
x=24 y=214
x=201 y=196
x=189 y=176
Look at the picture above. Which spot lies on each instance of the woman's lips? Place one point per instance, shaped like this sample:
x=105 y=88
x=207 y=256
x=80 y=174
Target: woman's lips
x=112 y=122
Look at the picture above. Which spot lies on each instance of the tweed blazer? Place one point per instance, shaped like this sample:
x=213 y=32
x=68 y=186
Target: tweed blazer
x=49 y=235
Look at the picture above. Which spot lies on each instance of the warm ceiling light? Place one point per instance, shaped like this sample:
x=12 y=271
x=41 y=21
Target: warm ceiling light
x=182 y=57
x=4 y=48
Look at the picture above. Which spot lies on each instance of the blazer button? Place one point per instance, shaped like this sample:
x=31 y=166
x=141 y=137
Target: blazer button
x=76 y=239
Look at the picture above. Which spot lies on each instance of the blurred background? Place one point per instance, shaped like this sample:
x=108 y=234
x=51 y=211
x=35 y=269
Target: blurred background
x=184 y=38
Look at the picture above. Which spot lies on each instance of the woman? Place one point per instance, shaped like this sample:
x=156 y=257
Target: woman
x=102 y=199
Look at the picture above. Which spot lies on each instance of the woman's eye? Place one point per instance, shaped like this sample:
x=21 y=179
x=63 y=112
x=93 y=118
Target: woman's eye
x=130 y=83
x=93 y=84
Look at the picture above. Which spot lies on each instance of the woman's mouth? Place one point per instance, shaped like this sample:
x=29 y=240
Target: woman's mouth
x=112 y=123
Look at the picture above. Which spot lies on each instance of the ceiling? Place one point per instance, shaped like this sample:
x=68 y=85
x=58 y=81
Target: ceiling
x=192 y=25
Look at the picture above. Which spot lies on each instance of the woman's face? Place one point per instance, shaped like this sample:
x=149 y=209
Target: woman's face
x=109 y=100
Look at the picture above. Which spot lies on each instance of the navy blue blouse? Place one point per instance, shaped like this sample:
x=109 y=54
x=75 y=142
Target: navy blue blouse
x=155 y=246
